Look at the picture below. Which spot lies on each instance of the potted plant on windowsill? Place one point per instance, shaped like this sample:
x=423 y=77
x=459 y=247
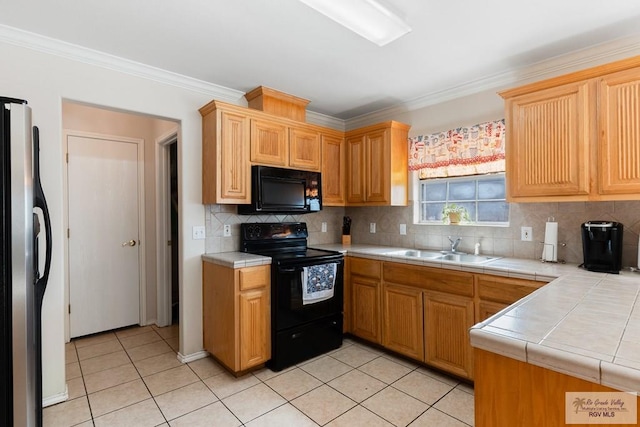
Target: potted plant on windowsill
x=454 y=213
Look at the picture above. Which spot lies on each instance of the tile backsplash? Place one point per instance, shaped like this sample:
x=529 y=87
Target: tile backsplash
x=216 y=216
x=499 y=241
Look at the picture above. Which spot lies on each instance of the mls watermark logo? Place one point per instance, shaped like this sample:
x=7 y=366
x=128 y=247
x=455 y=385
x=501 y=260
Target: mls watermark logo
x=601 y=408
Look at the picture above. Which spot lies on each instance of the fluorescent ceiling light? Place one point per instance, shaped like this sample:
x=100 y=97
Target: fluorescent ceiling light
x=367 y=18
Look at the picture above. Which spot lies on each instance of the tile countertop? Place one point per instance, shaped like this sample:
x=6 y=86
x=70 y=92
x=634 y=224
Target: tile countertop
x=236 y=259
x=582 y=324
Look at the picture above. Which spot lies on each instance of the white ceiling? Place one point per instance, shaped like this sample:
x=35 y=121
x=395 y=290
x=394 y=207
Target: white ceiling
x=283 y=44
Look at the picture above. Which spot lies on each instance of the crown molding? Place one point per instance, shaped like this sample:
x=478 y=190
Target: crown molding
x=562 y=64
x=573 y=61
x=325 y=120
x=96 y=58
x=84 y=55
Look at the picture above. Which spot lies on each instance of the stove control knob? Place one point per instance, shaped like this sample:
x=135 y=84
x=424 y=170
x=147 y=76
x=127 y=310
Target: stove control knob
x=253 y=231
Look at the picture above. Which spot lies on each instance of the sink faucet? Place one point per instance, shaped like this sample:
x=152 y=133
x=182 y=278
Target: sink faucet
x=454 y=243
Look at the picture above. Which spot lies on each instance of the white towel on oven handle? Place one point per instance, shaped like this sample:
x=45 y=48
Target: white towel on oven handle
x=318 y=282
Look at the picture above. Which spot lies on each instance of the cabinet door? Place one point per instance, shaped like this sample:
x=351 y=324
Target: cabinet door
x=365 y=317
x=548 y=134
x=447 y=319
x=269 y=143
x=619 y=147
x=304 y=149
x=219 y=313
x=333 y=171
x=402 y=319
x=506 y=290
x=487 y=309
x=377 y=167
x=255 y=335
x=355 y=170
x=226 y=174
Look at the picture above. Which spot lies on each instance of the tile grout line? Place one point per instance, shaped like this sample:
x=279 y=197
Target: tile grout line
x=411 y=367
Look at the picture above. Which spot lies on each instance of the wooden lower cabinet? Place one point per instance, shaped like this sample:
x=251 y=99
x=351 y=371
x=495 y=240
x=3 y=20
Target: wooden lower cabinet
x=365 y=283
x=495 y=293
x=447 y=319
x=425 y=313
x=487 y=309
x=365 y=316
x=509 y=393
x=402 y=313
x=255 y=334
x=237 y=315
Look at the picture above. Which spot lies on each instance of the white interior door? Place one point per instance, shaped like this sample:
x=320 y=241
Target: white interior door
x=104 y=273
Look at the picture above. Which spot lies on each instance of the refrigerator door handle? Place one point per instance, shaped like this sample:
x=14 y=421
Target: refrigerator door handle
x=41 y=202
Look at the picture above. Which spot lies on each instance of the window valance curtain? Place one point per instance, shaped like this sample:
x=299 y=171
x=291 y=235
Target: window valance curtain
x=473 y=150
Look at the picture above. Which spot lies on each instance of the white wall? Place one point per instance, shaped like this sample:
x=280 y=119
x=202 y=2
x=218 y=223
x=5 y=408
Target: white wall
x=45 y=81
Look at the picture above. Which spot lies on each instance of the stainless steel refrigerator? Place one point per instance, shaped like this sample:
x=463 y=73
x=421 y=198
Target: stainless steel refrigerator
x=22 y=286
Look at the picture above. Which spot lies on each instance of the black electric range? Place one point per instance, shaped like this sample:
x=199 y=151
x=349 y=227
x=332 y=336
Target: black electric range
x=299 y=329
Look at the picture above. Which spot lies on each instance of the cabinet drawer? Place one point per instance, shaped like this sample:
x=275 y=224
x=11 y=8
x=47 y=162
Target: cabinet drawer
x=254 y=277
x=504 y=289
x=451 y=282
x=365 y=267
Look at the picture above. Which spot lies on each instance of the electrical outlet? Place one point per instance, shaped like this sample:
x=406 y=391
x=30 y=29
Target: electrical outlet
x=324 y=227
x=198 y=232
x=226 y=230
x=403 y=229
x=372 y=227
x=526 y=234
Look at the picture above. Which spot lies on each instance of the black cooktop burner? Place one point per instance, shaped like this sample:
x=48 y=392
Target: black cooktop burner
x=281 y=241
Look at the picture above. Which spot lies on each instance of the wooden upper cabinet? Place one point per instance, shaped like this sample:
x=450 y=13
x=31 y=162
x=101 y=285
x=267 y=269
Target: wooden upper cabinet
x=304 y=148
x=377 y=165
x=269 y=143
x=355 y=170
x=575 y=137
x=333 y=170
x=619 y=122
x=277 y=144
x=226 y=177
x=546 y=153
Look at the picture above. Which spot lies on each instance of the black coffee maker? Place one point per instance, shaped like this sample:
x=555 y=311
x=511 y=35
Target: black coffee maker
x=602 y=246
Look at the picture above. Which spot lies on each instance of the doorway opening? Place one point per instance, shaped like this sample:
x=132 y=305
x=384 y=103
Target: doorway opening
x=175 y=279
x=168 y=220
x=85 y=119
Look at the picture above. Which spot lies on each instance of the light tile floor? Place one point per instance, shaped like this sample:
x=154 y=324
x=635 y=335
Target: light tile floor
x=132 y=377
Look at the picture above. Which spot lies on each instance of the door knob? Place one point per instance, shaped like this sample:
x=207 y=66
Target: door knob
x=129 y=243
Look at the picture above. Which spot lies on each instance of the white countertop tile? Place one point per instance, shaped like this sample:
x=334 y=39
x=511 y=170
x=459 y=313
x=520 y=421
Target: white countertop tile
x=565 y=362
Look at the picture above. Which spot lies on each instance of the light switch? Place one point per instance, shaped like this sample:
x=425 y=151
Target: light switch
x=324 y=227
x=403 y=229
x=198 y=232
x=372 y=227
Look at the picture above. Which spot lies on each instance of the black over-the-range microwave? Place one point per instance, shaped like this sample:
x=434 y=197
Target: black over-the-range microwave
x=283 y=191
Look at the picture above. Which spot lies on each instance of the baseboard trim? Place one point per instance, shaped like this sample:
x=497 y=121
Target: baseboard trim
x=192 y=357
x=56 y=398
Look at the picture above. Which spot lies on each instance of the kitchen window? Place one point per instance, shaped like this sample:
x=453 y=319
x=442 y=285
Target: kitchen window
x=483 y=196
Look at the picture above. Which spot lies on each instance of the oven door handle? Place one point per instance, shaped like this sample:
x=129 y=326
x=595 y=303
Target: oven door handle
x=288 y=270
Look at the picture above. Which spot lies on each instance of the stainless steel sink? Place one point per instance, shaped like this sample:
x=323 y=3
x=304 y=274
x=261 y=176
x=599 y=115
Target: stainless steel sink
x=414 y=253
x=466 y=258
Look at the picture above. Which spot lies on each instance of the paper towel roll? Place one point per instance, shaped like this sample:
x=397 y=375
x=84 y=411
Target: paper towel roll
x=550 y=251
